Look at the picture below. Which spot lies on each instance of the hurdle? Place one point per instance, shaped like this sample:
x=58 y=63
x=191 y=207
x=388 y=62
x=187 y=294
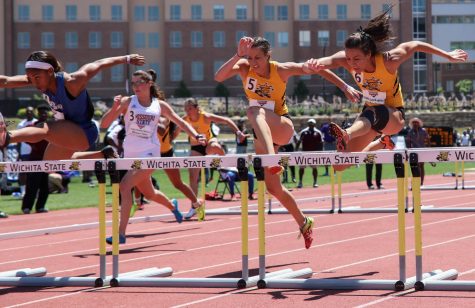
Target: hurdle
x=25 y=272
x=446 y=187
x=437 y=282
x=402 y=283
x=463 y=178
x=36 y=277
x=241 y=162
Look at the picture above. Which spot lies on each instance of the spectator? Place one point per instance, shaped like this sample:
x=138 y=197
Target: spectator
x=328 y=142
x=312 y=140
x=23 y=148
x=288 y=148
x=465 y=139
x=417 y=137
x=59 y=181
x=37 y=182
x=369 y=176
x=231 y=175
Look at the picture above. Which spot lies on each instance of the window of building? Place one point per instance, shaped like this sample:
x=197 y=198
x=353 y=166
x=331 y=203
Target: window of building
x=239 y=35
x=95 y=39
x=20 y=68
x=269 y=12
x=117 y=39
x=117 y=73
x=175 y=39
x=197 y=71
x=196 y=12
x=449 y=86
x=219 y=39
x=94 y=12
x=116 y=12
x=282 y=12
x=282 y=39
x=156 y=68
x=241 y=12
x=176 y=71
x=304 y=12
x=419 y=59
x=175 y=12
x=304 y=38
x=97 y=78
x=71 y=67
x=322 y=11
x=419 y=6
x=341 y=11
x=323 y=38
x=366 y=11
x=217 y=64
x=218 y=12
x=387 y=8
x=342 y=72
x=72 y=40
x=23 y=40
x=420 y=80
x=196 y=39
x=448 y=66
x=419 y=28
x=23 y=12
x=153 y=13
x=71 y=12
x=341 y=36
x=47 y=40
x=465 y=45
x=153 y=40
x=47 y=12
x=139 y=13
x=270 y=37
x=139 y=40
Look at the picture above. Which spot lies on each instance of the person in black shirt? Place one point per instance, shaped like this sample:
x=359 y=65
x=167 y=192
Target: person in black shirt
x=312 y=140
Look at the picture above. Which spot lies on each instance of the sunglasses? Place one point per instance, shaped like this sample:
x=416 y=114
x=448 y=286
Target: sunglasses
x=138 y=82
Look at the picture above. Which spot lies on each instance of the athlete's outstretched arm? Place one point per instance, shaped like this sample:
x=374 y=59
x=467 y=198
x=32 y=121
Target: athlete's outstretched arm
x=226 y=121
x=78 y=80
x=118 y=107
x=14 y=81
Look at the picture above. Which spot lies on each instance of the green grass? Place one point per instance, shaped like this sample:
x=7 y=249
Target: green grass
x=81 y=195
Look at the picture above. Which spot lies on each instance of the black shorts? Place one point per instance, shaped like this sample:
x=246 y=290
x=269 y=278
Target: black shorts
x=167 y=153
x=381 y=116
x=284 y=115
x=199 y=148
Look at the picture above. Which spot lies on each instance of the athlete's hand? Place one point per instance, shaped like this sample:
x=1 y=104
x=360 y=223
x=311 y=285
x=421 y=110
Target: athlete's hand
x=352 y=94
x=244 y=46
x=117 y=100
x=312 y=66
x=458 y=55
x=241 y=136
x=201 y=139
x=136 y=59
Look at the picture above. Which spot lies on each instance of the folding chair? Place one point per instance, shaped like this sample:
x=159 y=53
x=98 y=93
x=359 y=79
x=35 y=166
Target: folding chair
x=224 y=181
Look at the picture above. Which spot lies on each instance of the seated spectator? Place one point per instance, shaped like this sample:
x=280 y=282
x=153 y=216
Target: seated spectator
x=231 y=175
x=59 y=181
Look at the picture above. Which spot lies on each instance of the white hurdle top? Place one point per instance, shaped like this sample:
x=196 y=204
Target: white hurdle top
x=287 y=159
x=436 y=155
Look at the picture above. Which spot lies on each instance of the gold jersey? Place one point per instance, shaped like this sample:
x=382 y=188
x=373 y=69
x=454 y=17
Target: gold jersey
x=268 y=93
x=165 y=140
x=200 y=126
x=379 y=87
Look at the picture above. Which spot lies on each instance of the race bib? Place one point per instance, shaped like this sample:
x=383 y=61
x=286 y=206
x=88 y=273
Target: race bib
x=262 y=103
x=374 y=97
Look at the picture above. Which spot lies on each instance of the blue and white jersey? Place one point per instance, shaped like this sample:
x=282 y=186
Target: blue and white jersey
x=141 y=126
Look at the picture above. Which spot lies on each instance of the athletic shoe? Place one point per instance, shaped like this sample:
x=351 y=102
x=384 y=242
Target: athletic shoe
x=3 y=215
x=133 y=209
x=43 y=210
x=315 y=185
x=306 y=231
x=276 y=170
x=300 y=185
x=387 y=142
x=141 y=206
x=26 y=211
x=191 y=213
x=340 y=135
x=4 y=135
x=195 y=209
x=176 y=212
x=121 y=239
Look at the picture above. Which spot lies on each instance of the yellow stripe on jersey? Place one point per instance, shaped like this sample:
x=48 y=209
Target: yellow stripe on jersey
x=379 y=87
x=200 y=126
x=263 y=91
x=165 y=140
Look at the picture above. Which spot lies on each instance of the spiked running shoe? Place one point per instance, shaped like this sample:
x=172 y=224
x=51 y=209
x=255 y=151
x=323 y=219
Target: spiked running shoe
x=340 y=135
x=306 y=231
x=195 y=209
x=387 y=142
x=122 y=239
x=276 y=170
x=176 y=212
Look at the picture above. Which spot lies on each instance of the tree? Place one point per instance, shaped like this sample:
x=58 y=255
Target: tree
x=301 y=91
x=182 y=90
x=464 y=86
x=221 y=90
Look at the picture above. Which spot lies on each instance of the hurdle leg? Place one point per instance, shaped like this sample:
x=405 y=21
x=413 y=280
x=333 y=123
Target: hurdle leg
x=401 y=180
x=463 y=174
x=242 y=173
x=259 y=171
x=202 y=212
x=332 y=183
x=456 y=175
x=115 y=179
x=101 y=179
x=338 y=179
x=416 y=194
x=406 y=185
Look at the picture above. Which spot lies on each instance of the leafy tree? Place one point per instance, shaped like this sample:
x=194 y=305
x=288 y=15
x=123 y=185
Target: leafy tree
x=301 y=91
x=182 y=90
x=464 y=86
x=221 y=90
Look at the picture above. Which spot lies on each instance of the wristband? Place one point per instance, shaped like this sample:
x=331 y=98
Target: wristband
x=127 y=59
x=198 y=136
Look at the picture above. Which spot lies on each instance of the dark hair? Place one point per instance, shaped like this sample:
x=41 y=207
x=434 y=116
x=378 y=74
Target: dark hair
x=45 y=56
x=43 y=107
x=262 y=44
x=151 y=75
x=372 y=38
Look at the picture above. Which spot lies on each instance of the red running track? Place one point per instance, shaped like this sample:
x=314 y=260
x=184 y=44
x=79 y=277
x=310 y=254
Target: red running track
x=360 y=246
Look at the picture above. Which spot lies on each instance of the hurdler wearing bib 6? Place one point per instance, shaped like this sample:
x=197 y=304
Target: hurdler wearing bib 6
x=376 y=73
